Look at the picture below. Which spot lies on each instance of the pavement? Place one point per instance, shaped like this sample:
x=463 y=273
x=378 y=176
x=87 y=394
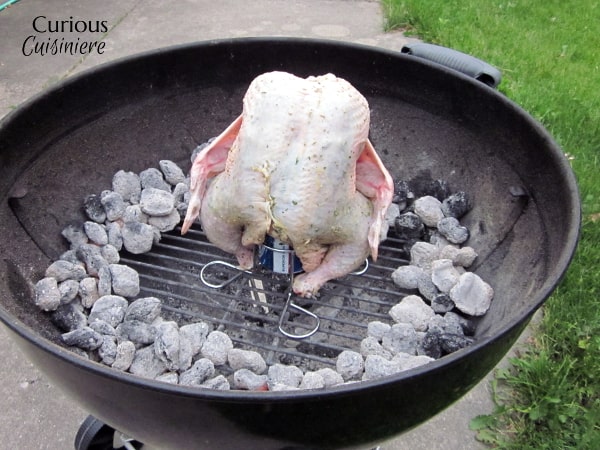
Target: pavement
x=35 y=414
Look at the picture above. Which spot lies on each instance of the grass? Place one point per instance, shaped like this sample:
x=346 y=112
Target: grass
x=549 y=53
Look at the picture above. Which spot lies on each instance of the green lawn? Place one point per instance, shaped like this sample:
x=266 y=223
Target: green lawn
x=549 y=54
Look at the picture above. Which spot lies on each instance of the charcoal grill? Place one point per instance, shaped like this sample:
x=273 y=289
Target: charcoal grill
x=428 y=122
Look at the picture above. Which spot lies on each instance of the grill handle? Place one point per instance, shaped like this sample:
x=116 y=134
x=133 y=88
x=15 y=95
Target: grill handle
x=453 y=59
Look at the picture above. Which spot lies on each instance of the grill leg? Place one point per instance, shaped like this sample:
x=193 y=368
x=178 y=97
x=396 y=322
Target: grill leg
x=93 y=434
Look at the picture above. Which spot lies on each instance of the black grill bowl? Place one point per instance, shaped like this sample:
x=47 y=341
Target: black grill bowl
x=427 y=121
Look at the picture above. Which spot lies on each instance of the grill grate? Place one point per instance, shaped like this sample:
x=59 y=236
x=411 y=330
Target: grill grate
x=249 y=308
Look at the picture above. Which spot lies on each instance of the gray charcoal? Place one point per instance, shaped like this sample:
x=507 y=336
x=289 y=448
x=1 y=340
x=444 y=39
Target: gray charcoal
x=186 y=354
x=330 y=377
x=201 y=371
x=140 y=333
x=168 y=377
x=371 y=346
x=156 y=202
x=68 y=291
x=429 y=209
x=146 y=309
x=216 y=347
x=467 y=325
x=104 y=281
x=249 y=381
x=134 y=213
x=407 y=277
x=179 y=192
x=191 y=340
x=75 y=234
x=63 y=270
x=69 y=317
x=124 y=356
x=452 y=230
x=137 y=237
x=218 y=383
x=422 y=254
x=108 y=350
x=431 y=344
x=444 y=275
x=462 y=257
x=88 y=291
x=350 y=365
x=125 y=280
x=312 y=380
x=94 y=208
x=392 y=212
x=84 y=338
x=407 y=362
x=378 y=329
x=115 y=237
x=442 y=303
x=246 y=359
x=286 y=375
x=70 y=256
x=456 y=205
x=91 y=256
x=165 y=223
x=451 y=323
x=128 y=185
x=379 y=367
x=166 y=344
x=172 y=172
x=110 y=254
x=440 y=242
x=114 y=205
x=47 y=295
x=96 y=233
x=401 y=190
x=110 y=308
x=153 y=178
x=146 y=364
x=426 y=287
x=409 y=226
x=413 y=310
x=103 y=328
x=453 y=342
x=402 y=338
x=472 y=295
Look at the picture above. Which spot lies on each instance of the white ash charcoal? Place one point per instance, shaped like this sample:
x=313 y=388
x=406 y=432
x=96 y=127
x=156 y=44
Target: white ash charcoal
x=407 y=362
x=379 y=367
x=407 y=277
x=168 y=377
x=456 y=205
x=125 y=280
x=472 y=295
x=392 y=212
x=440 y=242
x=426 y=287
x=249 y=381
x=69 y=289
x=137 y=237
x=108 y=350
x=146 y=309
x=153 y=178
x=196 y=334
x=280 y=387
x=157 y=236
x=128 y=185
x=115 y=238
x=156 y=202
x=402 y=337
x=94 y=209
x=377 y=329
x=134 y=213
x=47 y=295
x=84 y=338
x=110 y=308
x=166 y=344
x=70 y=256
x=413 y=310
x=202 y=370
x=312 y=380
x=444 y=275
x=146 y=364
x=165 y=223
x=246 y=359
x=96 y=233
x=110 y=254
x=350 y=365
x=442 y=303
x=63 y=270
x=69 y=317
x=91 y=256
x=114 y=205
x=124 y=356
x=462 y=257
x=103 y=327
x=286 y=375
x=88 y=291
x=371 y=346
x=453 y=342
x=409 y=226
x=75 y=234
x=452 y=230
x=171 y=171
x=104 y=281
x=429 y=209
x=219 y=383
x=431 y=344
x=330 y=377
x=186 y=354
x=216 y=347
x=422 y=254
x=140 y=333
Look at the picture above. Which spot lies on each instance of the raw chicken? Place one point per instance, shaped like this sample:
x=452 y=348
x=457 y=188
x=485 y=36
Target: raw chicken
x=296 y=165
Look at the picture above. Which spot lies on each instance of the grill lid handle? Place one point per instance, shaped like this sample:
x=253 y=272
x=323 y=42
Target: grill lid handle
x=453 y=59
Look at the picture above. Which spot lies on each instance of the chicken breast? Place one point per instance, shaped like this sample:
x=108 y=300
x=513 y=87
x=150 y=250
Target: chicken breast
x=296 y=165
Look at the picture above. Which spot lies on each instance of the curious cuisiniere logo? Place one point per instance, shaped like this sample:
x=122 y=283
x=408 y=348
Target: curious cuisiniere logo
x=45 y=40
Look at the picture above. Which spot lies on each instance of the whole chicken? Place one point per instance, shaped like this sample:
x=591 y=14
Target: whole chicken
x=297 y=165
